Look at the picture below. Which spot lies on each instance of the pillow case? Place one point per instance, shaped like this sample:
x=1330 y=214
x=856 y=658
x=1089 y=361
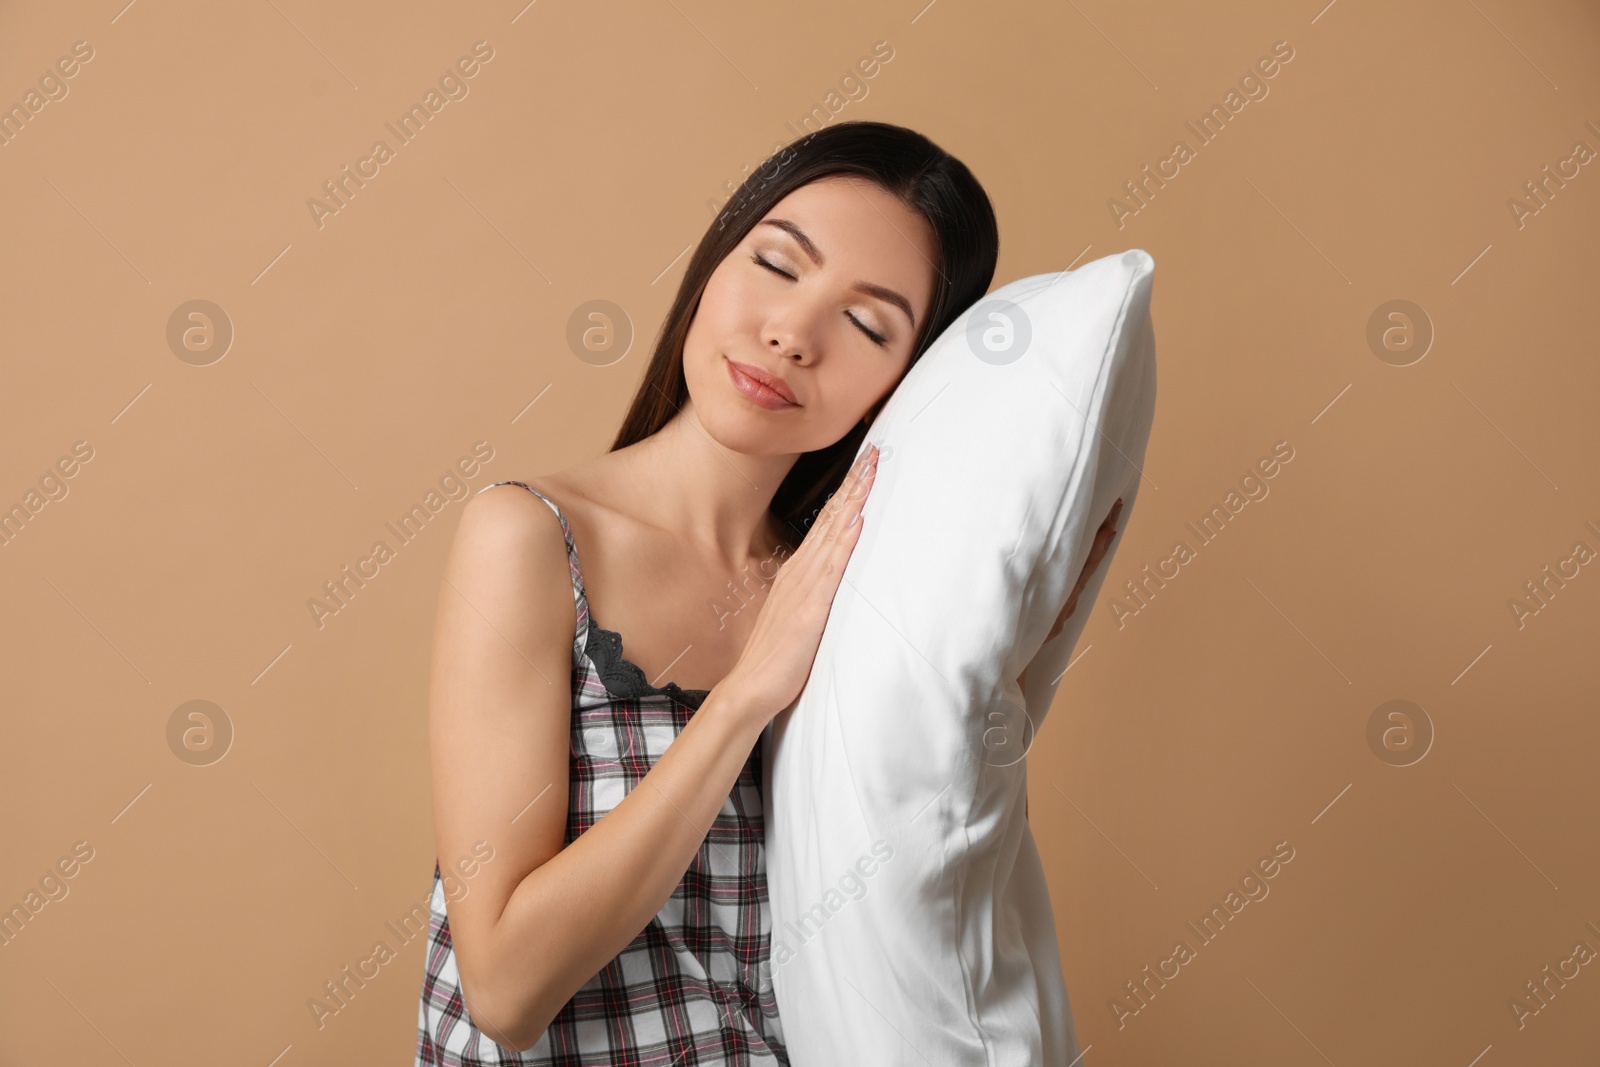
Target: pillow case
x=910 y=919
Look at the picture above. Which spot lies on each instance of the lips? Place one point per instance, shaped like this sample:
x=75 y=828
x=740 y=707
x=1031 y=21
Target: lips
x=762 y=387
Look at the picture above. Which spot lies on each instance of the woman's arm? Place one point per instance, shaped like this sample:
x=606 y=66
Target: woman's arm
x=542 y=920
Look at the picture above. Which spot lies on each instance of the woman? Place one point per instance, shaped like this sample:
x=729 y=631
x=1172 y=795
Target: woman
x=643 y=937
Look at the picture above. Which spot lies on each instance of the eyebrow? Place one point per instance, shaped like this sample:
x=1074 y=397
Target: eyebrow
x=871 y=289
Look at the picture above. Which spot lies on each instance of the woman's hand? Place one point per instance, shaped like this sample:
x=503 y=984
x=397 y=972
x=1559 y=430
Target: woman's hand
x=1097 y=552
x=777 y=657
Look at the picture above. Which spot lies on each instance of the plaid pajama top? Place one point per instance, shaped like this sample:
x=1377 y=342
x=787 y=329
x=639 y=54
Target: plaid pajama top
x=695 y=986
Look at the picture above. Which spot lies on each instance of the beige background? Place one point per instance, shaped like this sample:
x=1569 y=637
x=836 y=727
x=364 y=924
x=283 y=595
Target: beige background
x=370 y=353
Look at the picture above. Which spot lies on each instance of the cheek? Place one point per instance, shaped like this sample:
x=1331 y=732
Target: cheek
x=856 y=383
x=716 y=318
x=728 y=295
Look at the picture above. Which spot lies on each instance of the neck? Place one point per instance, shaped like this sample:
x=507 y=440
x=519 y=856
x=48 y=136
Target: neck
x=714 y=499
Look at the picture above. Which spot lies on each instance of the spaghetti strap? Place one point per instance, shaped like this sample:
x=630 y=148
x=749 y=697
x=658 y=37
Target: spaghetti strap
x=580 y=600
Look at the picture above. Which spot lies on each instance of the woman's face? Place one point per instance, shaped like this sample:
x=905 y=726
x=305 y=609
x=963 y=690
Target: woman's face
x=835 y=327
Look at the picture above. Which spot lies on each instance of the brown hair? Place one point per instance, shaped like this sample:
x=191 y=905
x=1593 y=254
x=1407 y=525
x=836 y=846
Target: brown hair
x=927 y=179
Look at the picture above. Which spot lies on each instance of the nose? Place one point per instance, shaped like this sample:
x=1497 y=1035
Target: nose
x=785 y=348
x=790 y=333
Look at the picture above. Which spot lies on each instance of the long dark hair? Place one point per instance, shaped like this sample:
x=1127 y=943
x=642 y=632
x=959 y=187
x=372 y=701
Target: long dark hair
x=927 y=179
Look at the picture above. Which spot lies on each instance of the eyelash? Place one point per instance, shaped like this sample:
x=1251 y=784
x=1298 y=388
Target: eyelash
x=881 y=342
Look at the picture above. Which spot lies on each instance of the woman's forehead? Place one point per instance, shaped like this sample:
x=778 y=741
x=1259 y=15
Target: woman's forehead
x=861 y=224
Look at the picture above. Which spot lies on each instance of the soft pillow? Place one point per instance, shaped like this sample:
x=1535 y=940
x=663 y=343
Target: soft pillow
x=911 y=922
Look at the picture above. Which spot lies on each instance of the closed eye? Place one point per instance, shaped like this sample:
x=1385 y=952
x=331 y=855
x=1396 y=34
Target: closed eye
x=758 y=258
x=876 y=339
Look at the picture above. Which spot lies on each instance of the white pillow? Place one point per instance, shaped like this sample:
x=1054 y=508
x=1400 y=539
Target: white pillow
x=911 y=922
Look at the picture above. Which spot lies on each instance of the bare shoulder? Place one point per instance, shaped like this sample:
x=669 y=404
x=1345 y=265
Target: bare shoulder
x=508 y=503
x=509 y=515
x=587 y=495
x=509 y=558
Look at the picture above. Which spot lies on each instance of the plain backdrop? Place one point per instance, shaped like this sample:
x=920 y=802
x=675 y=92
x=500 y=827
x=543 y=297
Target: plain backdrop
x=1443 y=473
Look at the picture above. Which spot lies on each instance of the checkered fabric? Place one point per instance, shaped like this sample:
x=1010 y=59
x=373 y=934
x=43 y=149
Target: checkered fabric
x=695 y=986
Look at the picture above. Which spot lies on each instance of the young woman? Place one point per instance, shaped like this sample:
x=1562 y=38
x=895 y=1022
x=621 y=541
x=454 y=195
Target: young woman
x=714 y=534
